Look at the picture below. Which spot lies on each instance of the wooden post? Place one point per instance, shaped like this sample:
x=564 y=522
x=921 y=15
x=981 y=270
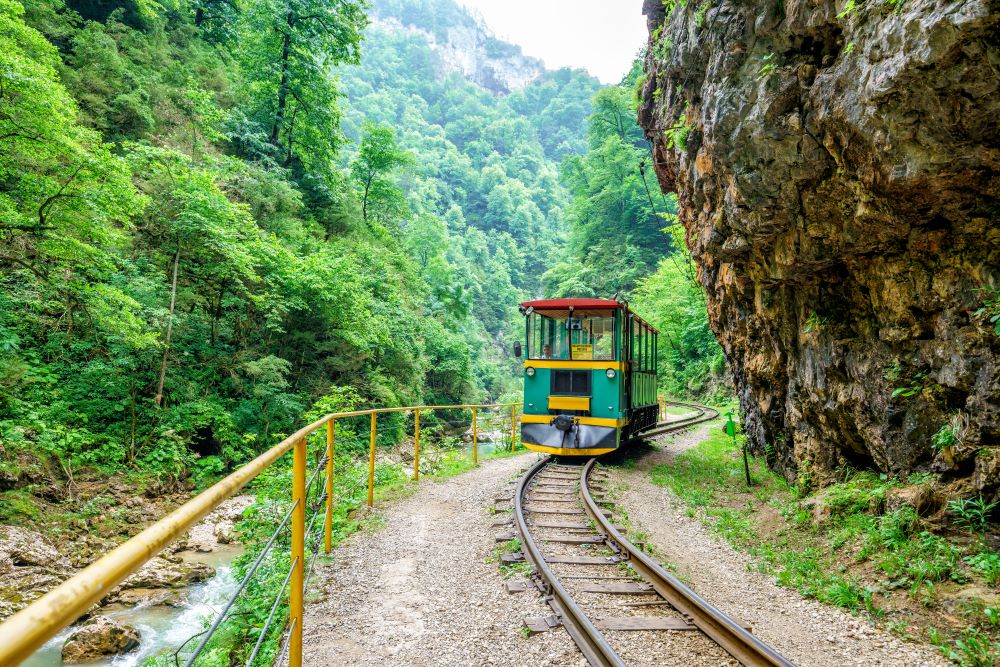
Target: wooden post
x=328 y=525
x=297 y=592
x=371 y=465
x=416 y=445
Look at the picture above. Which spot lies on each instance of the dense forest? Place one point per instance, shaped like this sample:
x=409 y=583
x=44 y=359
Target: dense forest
x=205 y=229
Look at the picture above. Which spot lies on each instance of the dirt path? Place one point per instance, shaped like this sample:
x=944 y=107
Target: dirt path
x=418 y=589
x=806 y=632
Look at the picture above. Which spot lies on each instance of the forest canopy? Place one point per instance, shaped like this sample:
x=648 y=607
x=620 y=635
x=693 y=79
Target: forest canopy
x=213 y=215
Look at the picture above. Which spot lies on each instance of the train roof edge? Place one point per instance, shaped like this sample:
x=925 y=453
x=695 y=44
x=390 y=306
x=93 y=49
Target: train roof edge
x=582 y=304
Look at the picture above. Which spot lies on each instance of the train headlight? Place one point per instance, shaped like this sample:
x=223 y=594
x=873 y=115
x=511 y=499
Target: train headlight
x=610 y=373
x=530 y=371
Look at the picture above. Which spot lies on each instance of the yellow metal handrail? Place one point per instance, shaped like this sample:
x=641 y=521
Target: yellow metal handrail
x=26 y=631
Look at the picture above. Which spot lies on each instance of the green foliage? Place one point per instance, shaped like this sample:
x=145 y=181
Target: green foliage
x=378 y=156
x=972 y=648
x=814 y=323
x=691 y=362
x=286 y=49
x=912 y=388
x=972 y=514
x=990 y=311
x=615 y=221
x=944 y=438
x=986 y=565
x=281 y=290
x=767 y=66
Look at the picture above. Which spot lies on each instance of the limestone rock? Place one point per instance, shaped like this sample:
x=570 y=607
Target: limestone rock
x=29 y=566
x=162 y=573
x=918 y=496
x=148 y=597
x=99 y=637
x=224 y=532
x=839 y=189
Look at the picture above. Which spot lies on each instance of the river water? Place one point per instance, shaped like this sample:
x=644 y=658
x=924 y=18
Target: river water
x=163 y=629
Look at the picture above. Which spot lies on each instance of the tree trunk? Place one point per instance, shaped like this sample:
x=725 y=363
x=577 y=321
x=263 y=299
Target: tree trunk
x=364 y=200
x=217 y=315
x=279 y=117
x=170 y=328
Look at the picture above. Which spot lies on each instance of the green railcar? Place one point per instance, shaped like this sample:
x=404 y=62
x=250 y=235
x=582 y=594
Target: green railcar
x=589 y=376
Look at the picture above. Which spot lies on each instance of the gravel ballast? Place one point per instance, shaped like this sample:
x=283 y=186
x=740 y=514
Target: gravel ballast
x=806 y=632
x=417 y=588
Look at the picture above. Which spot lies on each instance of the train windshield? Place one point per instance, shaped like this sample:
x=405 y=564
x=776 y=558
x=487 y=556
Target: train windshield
x=567 y=337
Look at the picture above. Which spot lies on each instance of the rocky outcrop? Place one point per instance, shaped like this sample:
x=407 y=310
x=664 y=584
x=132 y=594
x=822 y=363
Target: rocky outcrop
x=838 y=172
x=29 y=566
x=168 y=572
x=466 y=46
x=98 y=638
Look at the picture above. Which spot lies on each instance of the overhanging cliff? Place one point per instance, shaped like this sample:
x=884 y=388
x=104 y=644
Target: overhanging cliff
x=839 y=176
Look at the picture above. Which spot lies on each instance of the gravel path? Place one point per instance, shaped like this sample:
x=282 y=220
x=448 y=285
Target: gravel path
x=418 y=589
x=806 y=632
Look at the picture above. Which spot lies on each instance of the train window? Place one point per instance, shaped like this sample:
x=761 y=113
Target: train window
x=593 y=339
x=547 y=337
x=570 y=383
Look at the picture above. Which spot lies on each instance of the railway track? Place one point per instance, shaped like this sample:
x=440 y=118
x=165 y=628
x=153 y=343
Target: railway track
x=585 y=566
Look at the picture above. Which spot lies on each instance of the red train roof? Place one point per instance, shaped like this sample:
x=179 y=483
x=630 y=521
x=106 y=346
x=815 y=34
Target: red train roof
x=581 y=307
x=576 y=304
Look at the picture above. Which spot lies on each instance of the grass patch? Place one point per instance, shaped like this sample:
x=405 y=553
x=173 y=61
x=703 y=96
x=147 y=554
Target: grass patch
x=844 y=546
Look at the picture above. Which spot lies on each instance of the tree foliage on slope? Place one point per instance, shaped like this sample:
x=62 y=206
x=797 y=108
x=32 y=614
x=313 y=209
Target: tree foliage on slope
x=483 y=212
x=624 y=239
x=179 y=284
x=615 y=218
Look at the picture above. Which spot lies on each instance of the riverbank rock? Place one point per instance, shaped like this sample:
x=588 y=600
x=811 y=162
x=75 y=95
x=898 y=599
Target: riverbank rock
x=218 y=527
x=838 y=175
x=162 y=573
x=98 y=638
x=29 y=566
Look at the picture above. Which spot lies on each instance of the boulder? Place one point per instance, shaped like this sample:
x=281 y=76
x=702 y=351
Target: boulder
x=133 y=597
x=29 y=567
x=97 y=638
x=918 y=496
x=20 y=547
x=161 y=573
x=224 y=532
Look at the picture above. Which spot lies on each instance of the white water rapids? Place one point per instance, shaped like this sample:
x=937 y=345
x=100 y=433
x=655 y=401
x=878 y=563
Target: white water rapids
x=163 y=629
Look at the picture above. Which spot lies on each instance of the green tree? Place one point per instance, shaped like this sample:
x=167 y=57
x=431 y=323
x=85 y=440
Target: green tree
x=287 y=49
x=378 y=157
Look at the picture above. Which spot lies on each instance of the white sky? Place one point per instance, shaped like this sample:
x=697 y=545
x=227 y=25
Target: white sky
x=601 y=36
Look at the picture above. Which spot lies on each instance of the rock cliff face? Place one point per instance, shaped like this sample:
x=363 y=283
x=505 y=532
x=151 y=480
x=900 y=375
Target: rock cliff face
x=468 y=47
x=839 y=180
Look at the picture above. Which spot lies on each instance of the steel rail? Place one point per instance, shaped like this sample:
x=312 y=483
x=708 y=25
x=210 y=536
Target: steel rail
x=588 y=638
x=704 y=414
x=732 y=637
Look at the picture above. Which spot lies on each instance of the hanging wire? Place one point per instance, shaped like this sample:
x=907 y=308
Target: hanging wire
x=278 y=597
x=270 y=617
x=285 y=645
x=243 y=584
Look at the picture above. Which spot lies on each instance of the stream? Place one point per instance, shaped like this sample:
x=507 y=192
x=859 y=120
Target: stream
x=162 y=628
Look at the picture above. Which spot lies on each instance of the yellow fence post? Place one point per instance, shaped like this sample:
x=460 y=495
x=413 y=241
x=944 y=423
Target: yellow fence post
x=371 y=465
x=328 y=525
x=475 y=439
x=296 y=594
x=513 y=427
x=416 y=445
